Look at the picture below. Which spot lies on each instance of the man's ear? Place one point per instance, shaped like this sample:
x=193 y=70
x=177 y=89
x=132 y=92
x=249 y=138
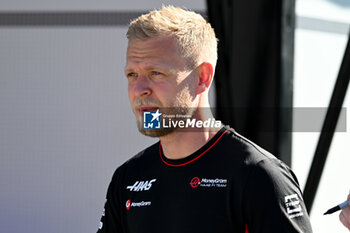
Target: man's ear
x=205 y=74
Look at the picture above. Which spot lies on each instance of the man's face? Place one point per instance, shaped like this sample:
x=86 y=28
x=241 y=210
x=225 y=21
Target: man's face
x=158 y=78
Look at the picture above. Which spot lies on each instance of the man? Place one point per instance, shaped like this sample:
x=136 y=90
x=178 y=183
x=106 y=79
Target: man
x=344 y=216
x=208 y=180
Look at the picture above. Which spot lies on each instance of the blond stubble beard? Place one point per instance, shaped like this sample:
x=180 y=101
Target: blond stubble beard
x=182 y=105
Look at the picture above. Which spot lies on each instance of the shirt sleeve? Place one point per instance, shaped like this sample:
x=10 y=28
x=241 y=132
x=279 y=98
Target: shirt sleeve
x=111 y=217
x=273 y=201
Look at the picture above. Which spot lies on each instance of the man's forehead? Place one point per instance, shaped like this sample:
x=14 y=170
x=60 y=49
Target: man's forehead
x=147 y=62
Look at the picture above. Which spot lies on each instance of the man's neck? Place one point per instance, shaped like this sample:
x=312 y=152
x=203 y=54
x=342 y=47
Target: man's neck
x=181 y=144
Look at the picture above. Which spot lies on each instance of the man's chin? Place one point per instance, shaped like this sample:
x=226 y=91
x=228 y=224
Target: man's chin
x=155 y=133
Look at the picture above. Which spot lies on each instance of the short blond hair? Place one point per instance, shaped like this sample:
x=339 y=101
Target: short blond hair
x=195 y=37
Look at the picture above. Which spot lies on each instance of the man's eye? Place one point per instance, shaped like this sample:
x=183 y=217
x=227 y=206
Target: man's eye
x=156 y=73
x=131 y=75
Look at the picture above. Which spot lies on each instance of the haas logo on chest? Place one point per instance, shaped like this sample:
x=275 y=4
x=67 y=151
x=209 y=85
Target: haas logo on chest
x=141 y=185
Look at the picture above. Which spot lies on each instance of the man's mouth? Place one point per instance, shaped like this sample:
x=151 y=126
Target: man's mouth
x=143 y=109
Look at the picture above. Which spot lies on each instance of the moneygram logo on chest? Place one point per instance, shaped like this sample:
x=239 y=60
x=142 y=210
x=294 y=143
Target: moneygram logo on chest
x=209 y=183
x=141 y=185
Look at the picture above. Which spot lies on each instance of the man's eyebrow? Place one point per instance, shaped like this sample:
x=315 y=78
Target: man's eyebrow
x=159 y=68
x=128 y=69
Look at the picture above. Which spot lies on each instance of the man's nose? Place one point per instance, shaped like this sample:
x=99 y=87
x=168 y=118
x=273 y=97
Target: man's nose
x=142 y=86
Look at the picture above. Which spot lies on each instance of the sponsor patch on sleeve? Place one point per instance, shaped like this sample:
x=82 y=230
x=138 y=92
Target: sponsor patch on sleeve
x=293 y=206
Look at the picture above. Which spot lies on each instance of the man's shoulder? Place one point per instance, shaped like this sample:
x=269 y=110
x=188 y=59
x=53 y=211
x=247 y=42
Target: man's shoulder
x=241 y=147
x=254 y=159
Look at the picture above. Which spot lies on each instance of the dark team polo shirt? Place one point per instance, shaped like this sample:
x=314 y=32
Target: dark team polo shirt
x=230 y=185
